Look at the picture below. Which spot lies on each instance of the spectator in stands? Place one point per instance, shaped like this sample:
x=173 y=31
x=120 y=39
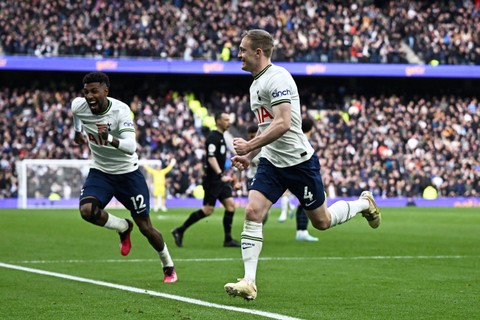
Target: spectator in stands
x=329 y=31
x=35 y=123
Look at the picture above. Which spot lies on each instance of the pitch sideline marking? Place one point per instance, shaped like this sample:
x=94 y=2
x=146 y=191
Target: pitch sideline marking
x=149 y=292
x=262 y=259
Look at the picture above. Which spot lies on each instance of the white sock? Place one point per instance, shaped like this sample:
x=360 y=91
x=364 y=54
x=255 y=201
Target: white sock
x=284 y=204
x=291 y=206
x=116 y=223
x=165 y=257
x=156 y=204
x=252 y=242
x=342 y=211
x=301 y=233
x=160 y=202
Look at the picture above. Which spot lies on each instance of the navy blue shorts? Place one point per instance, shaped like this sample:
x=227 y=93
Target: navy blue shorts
x=130 y=189
x=303 y=180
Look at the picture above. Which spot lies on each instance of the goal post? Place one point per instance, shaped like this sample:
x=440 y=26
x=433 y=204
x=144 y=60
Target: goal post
x=56 y=183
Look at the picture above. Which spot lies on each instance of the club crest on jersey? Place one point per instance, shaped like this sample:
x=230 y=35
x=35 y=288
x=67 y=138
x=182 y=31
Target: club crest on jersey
x=109 y=125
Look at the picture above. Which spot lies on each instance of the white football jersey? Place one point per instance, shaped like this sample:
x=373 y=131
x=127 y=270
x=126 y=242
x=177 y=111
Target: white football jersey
x=118 y=117
x=271 y=87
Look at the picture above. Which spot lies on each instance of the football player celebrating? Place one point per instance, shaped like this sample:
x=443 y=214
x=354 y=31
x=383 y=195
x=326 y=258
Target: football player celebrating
x=287 y=160
x=114 y=172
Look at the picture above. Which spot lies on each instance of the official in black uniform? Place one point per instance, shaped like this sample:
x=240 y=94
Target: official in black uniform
x=215 y=183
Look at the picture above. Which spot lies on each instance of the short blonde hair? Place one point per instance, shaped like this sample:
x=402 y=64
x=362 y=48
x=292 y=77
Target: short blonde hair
x=260 y=39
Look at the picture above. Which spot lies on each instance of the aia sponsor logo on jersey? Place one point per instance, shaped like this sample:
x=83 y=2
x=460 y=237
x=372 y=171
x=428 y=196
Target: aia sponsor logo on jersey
x=96 y=139
x=262 y=114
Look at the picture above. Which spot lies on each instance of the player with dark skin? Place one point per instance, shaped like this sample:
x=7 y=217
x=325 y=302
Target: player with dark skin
x=111 y=138
x=96 y=95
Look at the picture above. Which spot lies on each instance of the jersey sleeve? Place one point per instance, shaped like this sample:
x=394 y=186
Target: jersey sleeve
x=149 y=169
x=125 y=123
x=168 y=168
x=77 y=123
x=279 y=88
x=127 y=142
x=76 y=103
x=211 y=146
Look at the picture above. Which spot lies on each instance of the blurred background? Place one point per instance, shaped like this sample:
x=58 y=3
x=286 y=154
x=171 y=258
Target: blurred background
x=393 y=87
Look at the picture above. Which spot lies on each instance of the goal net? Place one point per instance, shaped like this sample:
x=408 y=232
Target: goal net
x=52 y=183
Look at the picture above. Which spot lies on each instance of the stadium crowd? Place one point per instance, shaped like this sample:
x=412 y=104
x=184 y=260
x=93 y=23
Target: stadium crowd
x=402 y=31
x=403 y=143
x=393 y=145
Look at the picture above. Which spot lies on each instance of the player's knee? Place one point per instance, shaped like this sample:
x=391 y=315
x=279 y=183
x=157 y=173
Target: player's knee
x=90 y=209
x=254 y=213
x=86 y=211
x=208 y=210
x=321 y=225
x=230 y=205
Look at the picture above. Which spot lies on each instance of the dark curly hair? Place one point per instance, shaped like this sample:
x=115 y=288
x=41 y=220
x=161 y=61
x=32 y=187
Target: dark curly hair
x=97 y=77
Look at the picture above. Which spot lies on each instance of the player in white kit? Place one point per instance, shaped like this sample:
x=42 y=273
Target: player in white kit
x=287 y=160
x=106 y=125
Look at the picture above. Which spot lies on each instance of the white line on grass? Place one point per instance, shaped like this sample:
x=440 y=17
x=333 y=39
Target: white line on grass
x=150 y=292
x=263 y=259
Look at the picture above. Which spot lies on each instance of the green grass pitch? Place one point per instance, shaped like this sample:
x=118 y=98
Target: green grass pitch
x=422 y=263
